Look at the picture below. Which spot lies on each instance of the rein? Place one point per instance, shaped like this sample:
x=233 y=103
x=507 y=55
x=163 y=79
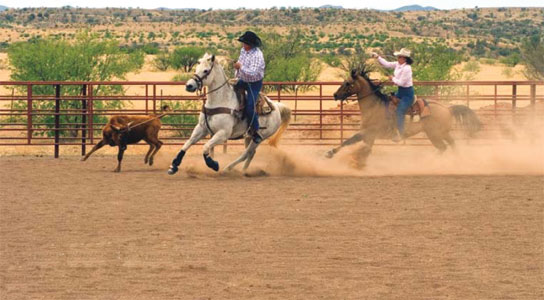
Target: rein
x=369 y=94
x=147 y=121
x=216 y=110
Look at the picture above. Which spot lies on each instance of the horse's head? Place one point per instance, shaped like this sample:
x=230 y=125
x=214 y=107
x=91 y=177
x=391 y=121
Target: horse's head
x=358 y=84
x=351 y=86
x=204 y=73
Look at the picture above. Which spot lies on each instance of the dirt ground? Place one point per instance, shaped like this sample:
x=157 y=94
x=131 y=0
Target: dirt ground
x=74 y=230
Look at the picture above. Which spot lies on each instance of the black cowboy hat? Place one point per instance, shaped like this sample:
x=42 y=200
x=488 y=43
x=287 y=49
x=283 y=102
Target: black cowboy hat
x=250 y=38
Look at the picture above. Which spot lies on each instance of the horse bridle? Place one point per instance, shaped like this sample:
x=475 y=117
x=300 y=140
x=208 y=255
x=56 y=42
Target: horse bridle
x=371 y=92
x=199 y=80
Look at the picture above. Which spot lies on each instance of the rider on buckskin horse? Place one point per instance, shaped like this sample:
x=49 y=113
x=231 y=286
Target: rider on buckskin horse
x=250 y=73
x=403 y=79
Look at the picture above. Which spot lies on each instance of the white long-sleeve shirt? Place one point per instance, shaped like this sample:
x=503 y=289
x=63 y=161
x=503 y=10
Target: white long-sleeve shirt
x=403 y=73
x=252 y=65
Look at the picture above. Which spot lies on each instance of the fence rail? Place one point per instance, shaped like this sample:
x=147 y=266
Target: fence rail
x=72 y=113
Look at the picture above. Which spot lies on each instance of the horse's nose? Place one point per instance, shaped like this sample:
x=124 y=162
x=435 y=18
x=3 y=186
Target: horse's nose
x=189 y=88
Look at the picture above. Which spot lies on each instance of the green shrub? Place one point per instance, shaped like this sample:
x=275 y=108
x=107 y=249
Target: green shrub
x=185 y=58
x=89 y=58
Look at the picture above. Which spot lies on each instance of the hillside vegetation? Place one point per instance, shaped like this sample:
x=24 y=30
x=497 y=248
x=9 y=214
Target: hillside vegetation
x=489 y=32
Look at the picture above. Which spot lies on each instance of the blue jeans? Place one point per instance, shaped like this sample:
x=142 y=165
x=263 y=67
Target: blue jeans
x=406 y=96
x=253 y=89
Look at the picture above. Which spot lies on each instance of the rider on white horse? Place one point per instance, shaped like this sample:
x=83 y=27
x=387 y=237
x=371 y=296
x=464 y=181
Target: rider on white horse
x=250 y=73
x=221 y=117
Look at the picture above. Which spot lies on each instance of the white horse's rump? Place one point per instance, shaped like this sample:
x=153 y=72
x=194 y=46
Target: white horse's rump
x=226 y=126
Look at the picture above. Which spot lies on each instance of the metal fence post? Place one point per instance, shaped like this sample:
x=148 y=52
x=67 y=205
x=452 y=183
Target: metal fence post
x=468 y=95
x=533 y=96
x=57 y=119
x=321 y=111
x=154 y=98
x=495 y=103
x=296 y=102
x=91 y=112
x=514 y=102
x=83 y=119
x=29 y=113
x=341 y=122
x=147 y=99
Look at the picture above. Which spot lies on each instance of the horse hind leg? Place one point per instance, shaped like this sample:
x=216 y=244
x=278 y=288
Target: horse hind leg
x=352 y=140
x=438 y=143
x=361 y=156
x=252 y=149
x=449 y=140
x=240 y=159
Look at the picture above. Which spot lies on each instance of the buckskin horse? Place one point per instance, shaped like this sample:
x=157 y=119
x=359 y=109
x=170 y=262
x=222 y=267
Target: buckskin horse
x=221 y=117
x=376 y=122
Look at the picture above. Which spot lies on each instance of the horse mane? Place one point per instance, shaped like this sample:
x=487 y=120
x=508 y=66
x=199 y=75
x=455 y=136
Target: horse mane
x=364 y=70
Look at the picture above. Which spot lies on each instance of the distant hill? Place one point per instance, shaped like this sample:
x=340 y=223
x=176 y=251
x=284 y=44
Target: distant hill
x=3 y=8
x=167 y=8
x=331 y=6
x=415 y=8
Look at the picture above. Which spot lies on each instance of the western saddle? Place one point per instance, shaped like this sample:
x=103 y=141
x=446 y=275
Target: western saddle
x=419 y=107
x=263 y=105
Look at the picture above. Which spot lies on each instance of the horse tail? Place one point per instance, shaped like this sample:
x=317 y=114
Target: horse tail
x=285 y=113
x=467 y=118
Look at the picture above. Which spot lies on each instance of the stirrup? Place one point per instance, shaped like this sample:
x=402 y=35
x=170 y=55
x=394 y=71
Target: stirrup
x=257 y=138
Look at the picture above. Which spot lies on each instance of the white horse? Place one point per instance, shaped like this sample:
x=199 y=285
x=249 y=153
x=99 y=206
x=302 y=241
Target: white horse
x=221 y=117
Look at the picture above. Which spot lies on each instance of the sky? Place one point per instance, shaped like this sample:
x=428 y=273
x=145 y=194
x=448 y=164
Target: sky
x=226 y=4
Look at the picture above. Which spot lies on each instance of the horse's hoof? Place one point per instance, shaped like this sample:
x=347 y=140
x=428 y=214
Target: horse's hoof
x=117 y=170
x=173 y=170
x=212 y=164
x=150 y=162
x=329 y=154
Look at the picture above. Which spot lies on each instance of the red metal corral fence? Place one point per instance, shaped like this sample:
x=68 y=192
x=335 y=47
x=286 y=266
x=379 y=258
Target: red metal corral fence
x=73 y=113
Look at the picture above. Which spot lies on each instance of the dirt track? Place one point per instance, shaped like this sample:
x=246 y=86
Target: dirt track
x=75 y=230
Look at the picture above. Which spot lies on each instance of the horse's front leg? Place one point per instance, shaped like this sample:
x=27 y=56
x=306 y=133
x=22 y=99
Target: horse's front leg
x=359 y=136
x=219 y=137
x=198 y=133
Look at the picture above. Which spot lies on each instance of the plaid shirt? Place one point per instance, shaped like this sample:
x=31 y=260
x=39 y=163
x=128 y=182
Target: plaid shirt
x=252 y=65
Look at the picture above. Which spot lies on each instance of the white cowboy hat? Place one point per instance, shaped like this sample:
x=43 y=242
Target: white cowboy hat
x=403 y=52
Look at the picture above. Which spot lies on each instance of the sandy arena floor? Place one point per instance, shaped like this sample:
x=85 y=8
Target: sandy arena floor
x=73 y=230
